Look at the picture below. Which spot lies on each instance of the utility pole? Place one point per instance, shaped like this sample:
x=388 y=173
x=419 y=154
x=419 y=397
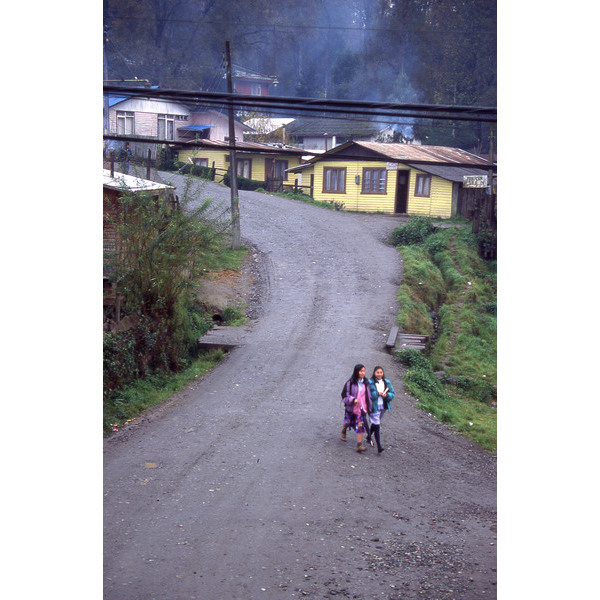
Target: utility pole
x=235 y=206
x=106 y=103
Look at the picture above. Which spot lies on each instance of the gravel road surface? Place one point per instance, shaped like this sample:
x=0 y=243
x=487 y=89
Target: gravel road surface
x=239 y=487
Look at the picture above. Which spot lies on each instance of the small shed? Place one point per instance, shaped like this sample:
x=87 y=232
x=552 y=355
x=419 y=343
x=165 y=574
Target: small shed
x=114 y=186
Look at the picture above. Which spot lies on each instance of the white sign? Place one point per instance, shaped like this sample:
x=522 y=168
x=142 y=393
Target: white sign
x=475 y=181
x=391 y=166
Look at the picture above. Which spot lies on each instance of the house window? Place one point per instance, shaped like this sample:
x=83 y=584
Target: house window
x=166 y=127
x=374 y=181
x=256 y=90
x=201 y=162
x=423 y=185
x=280 y=169
x=125 y=122
x=334 y=180
x=244 y=167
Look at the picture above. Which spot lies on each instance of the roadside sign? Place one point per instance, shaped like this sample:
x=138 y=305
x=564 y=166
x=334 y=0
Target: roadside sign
x=475 y=181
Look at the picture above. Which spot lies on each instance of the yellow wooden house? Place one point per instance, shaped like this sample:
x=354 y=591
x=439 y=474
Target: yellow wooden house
x=390 y=178
x=260 y=162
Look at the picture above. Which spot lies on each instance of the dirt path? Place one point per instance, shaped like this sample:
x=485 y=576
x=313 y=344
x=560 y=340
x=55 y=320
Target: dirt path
x=239 y=487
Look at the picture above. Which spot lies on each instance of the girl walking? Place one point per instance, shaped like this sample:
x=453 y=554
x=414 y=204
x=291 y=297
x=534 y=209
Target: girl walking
x=357 y=401
x=382 y=394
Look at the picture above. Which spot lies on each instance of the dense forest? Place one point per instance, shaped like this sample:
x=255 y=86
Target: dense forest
x=425 y=51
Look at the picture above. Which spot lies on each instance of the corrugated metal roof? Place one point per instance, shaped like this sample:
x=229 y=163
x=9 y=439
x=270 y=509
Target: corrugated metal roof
x=122 y=181
x=338 y=127
x=249 y=147
x=418 y=153
x=449 y=173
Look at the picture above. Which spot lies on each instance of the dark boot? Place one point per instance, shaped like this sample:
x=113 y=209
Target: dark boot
x=369 y=438
x=378 y=439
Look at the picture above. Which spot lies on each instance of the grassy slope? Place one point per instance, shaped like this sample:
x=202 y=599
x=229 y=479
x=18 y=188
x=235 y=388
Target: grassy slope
x=444 y=275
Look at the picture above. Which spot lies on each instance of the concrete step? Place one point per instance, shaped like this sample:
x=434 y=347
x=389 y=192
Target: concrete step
x=223 y=336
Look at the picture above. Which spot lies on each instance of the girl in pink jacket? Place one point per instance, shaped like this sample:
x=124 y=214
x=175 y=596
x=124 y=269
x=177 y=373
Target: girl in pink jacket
x=357 y=401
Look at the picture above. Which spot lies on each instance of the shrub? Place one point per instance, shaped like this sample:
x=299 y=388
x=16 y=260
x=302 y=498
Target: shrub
x=413 y=359
x=436 y=243
x=233 y=315
x=244 y=183
x=413 y=233
x=195 y=170
x=119 y=359
x=482 y=391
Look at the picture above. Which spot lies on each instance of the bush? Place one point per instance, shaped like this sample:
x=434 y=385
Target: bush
x=483 y=391
x=413 y=359
x=233 y=315
x=119 y=359
x=243 y=183
x=436 y=243
x=413 y=233
x=195 y=170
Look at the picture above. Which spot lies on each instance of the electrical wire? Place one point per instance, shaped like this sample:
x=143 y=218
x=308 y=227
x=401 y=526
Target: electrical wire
x=389 y=109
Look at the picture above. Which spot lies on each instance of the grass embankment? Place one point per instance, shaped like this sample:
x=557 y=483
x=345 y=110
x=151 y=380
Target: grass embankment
x=123 y=405
x=445 y=281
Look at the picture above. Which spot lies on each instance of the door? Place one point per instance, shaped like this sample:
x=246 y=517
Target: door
x=402 y=181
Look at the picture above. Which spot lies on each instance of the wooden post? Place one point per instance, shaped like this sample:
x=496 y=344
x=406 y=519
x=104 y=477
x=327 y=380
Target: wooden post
x=476 y=213
x=148 y=164
x=112 y=163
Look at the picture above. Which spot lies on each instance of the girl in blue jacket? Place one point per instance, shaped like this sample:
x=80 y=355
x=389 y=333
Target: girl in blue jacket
x=382 y=394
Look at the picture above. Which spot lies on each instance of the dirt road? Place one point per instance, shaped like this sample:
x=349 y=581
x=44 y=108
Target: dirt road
x=240 y=488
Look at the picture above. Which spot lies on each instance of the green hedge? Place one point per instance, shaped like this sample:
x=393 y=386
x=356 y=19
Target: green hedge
x=244 y=184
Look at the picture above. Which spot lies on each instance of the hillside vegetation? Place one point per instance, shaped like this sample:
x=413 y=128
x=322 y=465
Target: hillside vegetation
x=449 y=294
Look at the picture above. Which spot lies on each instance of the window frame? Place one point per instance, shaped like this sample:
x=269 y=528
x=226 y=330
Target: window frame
x=423 y=185
x=124 y=117
x=343 y=172
x=240 y=163
x=371 y=179
x=168 y=124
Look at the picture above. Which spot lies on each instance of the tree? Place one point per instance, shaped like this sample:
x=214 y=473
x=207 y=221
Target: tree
x=164 y=250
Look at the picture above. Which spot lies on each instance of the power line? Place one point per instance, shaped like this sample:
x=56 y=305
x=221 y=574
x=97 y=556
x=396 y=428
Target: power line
x=388 y=109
